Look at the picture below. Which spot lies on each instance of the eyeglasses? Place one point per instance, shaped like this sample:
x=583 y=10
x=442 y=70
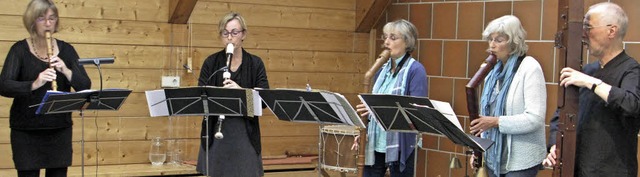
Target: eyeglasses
x=233 y=33
x=50 y=19
x=587 y=27
x=392 y=37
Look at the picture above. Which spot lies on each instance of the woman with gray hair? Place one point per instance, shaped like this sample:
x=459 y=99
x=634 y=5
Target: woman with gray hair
x=401 y=75
x=513 y=103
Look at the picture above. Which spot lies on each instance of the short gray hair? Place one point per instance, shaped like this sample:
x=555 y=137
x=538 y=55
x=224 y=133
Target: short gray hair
x=407 y=30
x=611 y=13
x=510 y=26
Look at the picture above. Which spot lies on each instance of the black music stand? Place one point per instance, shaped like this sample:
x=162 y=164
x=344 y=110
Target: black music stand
x=55 y=102
x=322 y=107
x=63 y=102
x=418 y=115
x=207 y=101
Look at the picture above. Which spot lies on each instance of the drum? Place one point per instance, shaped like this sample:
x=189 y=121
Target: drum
x=336 y=145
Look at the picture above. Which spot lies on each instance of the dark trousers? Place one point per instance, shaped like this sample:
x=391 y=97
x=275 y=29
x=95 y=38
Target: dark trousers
x=50 y=172
x=379 y=168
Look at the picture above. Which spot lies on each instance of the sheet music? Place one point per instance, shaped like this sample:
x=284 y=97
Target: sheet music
x=354 y=117
x=335 y=105
x=257 y=103
x=156 y=100
x=447 y=111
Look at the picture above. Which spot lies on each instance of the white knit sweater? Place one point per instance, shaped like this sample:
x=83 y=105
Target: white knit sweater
x=524 y=121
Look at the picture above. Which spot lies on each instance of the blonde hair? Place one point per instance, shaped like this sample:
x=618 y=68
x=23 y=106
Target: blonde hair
x=227 y=18
x=36 y=9
x=406 y=29
x=510 y=26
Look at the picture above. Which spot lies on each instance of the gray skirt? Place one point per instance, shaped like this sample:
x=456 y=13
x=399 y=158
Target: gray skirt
x=233 y=155
x=38 y=149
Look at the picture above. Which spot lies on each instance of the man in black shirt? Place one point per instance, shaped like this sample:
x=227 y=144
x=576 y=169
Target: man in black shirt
x=609 y=102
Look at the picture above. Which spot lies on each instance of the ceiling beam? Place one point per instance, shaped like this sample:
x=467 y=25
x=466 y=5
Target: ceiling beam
x=368 y=12
x=180 y=10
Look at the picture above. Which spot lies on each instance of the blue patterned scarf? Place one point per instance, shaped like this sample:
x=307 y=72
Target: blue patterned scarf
x=504 y=76
x=393 y=138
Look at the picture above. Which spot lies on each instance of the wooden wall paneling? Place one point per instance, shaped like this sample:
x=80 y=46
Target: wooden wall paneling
x=134 y=106
x=127 y=56
x=114 y=32
x=133 y=128
x=95 y=31
x=138 y=80
x=143 y=128
x=326 y=4
x=285 y=39
x=12 y=29
x=335 y=82
x=4 y=131
x=140 y=10
x=10 y=7
x=310 y=61
x=4 y=49
x=108 y=129
x=136 y=151
x=7 y=155
x=122 y=152
x=265 y=15
x=290 y=145
x=136 y=10
x=296 y=60
x=270 y=126
x=5 y=106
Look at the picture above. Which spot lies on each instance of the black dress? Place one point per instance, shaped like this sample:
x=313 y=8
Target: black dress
x=39 y=141
x=239 y=153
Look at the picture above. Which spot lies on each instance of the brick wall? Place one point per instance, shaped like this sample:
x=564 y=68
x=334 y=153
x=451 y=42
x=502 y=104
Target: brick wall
x=451 y=50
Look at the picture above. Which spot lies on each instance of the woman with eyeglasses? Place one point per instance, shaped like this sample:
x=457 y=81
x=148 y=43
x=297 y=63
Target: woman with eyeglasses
x=405 y=76
x=513 y=103
x=40 y=140
x=239 y=152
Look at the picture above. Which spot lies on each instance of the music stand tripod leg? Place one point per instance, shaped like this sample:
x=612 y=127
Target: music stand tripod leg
x=82 y=143
x=205 y=103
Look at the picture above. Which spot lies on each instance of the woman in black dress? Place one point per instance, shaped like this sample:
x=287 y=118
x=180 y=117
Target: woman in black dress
x=40 y=141
x=239 y=153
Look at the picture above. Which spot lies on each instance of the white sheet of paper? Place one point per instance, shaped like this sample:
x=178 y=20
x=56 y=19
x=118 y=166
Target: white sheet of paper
x=447 y=111
x=257 y=103
x=156 y=100
x=336 y=106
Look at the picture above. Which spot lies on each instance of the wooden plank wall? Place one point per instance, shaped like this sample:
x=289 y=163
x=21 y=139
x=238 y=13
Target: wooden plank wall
x=300 y=42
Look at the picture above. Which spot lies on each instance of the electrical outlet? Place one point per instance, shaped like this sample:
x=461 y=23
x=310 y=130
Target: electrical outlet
x=170 y=81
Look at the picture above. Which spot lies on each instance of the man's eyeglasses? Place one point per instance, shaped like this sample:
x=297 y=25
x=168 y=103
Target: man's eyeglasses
x=587 y=27
x=233 y=33
x=50 y=19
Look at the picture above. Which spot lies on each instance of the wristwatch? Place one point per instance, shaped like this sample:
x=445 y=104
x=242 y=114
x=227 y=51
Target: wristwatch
x=596 y=84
